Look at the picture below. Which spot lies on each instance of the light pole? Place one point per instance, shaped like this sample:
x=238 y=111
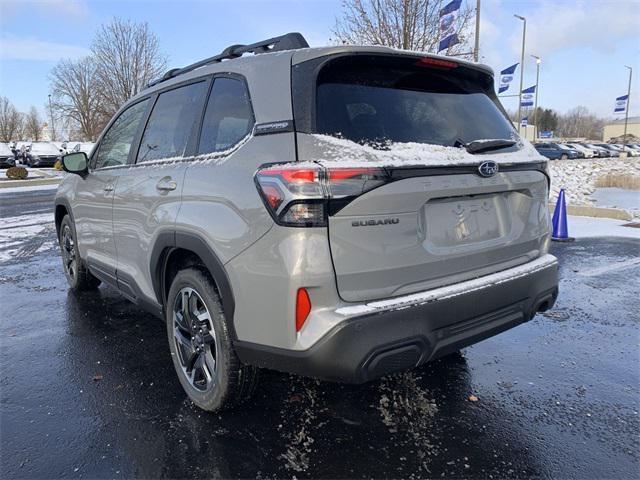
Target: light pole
x=476 y=50
x=524 y=36
x=535 y=108
x=626 y=112
x=53 y=127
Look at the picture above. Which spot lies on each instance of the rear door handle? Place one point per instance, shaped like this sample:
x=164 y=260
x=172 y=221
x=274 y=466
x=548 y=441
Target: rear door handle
x=109 y=188
x=166 y=184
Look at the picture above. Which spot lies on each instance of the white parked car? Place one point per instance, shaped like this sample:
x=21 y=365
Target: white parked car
x=588 y=153
x=630 y=151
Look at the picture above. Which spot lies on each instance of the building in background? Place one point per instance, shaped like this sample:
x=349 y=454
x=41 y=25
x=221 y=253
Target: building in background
x=616 y=128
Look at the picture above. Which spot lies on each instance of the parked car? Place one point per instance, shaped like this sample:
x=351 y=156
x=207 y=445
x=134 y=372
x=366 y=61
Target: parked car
x=630 y=151
x=287 y=237
x=587 y=152
x=554 y=151
x=613 y=151
x=41 y=154
x=7 y=157
x=600 y=152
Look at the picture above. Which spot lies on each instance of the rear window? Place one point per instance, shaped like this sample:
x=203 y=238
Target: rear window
x=376 y=100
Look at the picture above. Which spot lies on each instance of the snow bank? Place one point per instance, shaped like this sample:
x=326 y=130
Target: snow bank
x=578 y=177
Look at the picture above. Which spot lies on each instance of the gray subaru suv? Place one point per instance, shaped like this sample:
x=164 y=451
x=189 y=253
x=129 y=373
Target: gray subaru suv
x=341 y=213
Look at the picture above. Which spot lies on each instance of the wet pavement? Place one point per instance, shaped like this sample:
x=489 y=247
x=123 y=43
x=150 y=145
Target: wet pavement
x=87 y=388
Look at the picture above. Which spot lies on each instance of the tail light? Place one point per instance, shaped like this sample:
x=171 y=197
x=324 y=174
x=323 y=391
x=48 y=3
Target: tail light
x=303 y=196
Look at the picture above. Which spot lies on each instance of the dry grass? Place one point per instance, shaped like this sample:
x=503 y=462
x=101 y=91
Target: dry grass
x=619 y=180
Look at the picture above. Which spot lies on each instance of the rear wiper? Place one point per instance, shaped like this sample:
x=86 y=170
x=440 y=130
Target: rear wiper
x=478 y=146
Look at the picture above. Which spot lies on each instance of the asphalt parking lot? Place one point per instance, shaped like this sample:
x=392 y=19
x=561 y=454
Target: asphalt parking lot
x=87 y=388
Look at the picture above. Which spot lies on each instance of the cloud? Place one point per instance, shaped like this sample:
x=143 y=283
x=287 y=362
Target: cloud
x=554 y=26
x=596 y=25
x=29 y=48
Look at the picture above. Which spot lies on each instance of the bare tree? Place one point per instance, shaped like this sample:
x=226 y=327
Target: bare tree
x=74 y=87
x=579 y=122
x=406 y=24
x=11 y=121
x=127 y=57
x=33 y=125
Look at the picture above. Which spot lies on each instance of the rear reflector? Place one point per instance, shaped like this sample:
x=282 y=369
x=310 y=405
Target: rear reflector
x=303 y=307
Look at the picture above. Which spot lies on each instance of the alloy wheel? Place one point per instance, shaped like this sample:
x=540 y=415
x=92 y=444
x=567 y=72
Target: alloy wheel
x=69 y=252
x=195 y=339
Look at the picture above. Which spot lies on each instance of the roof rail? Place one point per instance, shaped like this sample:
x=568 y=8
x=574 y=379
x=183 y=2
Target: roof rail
x=289 y=41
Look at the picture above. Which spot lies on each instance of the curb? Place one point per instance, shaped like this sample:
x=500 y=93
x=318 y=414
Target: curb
x=29 y=183
x=597 y=212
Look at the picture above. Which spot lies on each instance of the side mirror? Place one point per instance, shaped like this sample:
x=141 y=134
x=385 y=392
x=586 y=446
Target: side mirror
x=75 y=163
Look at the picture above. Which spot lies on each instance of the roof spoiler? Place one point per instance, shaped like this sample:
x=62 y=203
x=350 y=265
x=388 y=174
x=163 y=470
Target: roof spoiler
x=289 y=41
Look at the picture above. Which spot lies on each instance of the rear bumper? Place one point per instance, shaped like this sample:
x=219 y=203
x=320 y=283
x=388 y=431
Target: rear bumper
x=379 y=338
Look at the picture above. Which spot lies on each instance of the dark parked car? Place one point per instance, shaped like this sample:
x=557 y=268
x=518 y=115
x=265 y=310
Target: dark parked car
x=42 y=154
x=553 y=151
x=7 y=157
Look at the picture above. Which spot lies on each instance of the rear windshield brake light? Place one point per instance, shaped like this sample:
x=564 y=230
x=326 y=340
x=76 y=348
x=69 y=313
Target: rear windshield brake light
x=436 y=62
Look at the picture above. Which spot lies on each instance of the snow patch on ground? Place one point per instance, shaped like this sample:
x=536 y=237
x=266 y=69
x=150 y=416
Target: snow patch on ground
x=23 y=236
x=583 y=227
x=407 y=410
x=28 y=188
x=299 y=415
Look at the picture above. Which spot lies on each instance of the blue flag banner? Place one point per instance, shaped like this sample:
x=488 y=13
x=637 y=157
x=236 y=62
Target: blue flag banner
x=448 y=25
x=527 y=96
x=621 y=104
x=506 y=77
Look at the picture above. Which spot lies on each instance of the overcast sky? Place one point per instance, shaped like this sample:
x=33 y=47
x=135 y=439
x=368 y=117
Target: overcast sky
x=584 y=44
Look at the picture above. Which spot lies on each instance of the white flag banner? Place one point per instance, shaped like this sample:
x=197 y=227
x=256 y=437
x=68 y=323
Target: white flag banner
x=621 y=104
x=449 y=25
x=506 y=77
x=528 y=95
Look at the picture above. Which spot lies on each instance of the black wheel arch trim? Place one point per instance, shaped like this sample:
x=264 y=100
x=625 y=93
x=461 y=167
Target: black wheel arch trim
x=62 y=202
x=167 y=242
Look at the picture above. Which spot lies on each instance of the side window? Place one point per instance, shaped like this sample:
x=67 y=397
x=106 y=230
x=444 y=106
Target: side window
x=228 y=118
x=171 y=123
x=116 y=143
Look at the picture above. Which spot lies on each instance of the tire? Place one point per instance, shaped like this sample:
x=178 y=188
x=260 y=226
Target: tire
x=563 y=156
x=78 y=277
x=201 y=345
